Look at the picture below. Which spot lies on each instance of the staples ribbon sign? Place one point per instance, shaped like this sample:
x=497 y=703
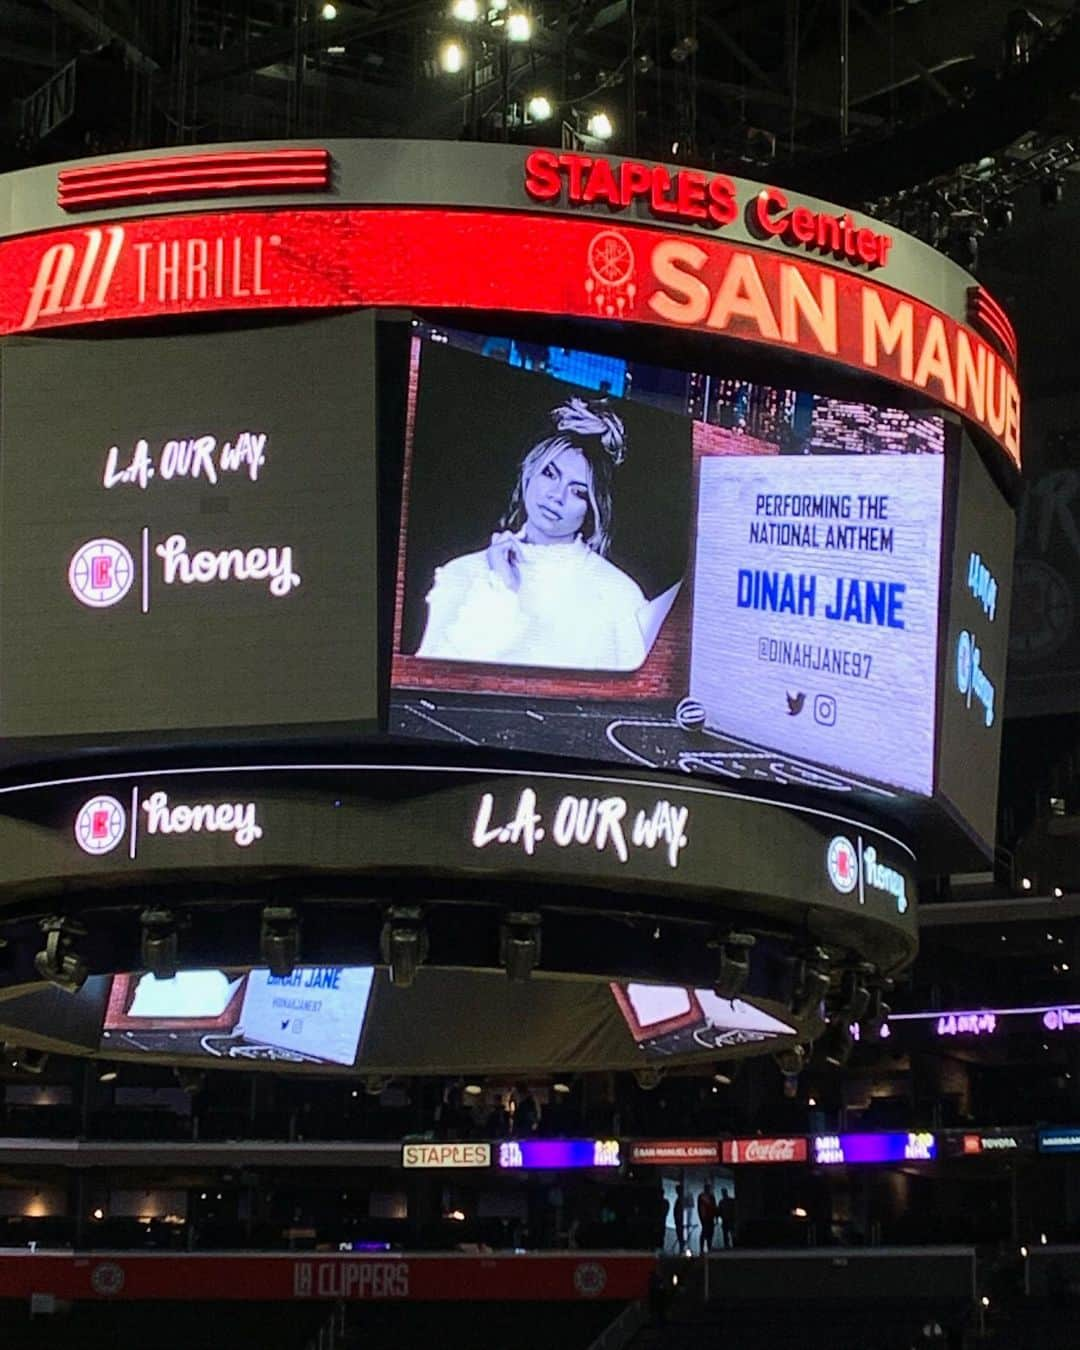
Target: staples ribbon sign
x=765 y=1150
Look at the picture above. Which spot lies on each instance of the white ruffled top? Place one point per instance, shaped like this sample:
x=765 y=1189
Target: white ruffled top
x=572 y=609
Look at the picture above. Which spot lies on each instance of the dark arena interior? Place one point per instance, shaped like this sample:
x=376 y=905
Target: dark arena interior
x=539 y=674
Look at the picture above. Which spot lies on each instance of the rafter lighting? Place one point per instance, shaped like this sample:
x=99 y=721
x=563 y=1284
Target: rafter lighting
x=466 y=11
x=539 y=108
x=452 y=57
x=600 y=125
x=519 y=27
x=329 y=12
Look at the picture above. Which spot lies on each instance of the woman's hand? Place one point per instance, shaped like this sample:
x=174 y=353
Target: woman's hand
x=504 y=558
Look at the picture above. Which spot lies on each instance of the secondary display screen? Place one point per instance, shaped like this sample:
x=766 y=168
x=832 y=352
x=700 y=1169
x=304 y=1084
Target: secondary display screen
x=669 y=570
x=314 y=1015
x=187 y=531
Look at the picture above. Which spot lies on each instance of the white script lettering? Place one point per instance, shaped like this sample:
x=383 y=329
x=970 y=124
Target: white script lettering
x=256 y=564
x=235 y=818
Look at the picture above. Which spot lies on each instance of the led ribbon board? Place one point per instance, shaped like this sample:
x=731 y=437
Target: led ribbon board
x=510 y=262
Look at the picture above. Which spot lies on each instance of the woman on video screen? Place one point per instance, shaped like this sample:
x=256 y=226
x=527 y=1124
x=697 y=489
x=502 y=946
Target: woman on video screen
x=543 y=592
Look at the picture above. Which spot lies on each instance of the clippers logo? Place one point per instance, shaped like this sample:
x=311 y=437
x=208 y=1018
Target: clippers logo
x=590 y=1279
x=107 y=1279
x=843 y=864
x=61 y=289
x=849 y=867
x=100 y=825
x=101 y=573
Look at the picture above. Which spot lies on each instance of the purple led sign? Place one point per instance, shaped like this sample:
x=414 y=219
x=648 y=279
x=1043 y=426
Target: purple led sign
x=840 y=1149
x=559 y=1153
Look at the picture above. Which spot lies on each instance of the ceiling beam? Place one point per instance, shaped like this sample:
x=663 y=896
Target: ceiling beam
x=73 y=13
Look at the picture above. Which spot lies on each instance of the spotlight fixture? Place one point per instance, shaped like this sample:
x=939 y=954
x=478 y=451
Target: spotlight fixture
x=57 y=962
x=108 y=1073
x=518 y=27
x=452 y=57
x=404 y=943
x=1000 y=214
x=329 y=12
x=811 y=984
x=600 y=126
x=854 y=995
x=191 y=1081
x=519 y=944
x=466 y=11
x=875 y=1017
x=279 y=939
x=1052 y=190
x=24 y=1060
x=734 y=969
x=836 y=1043
x=791 y=1062
x=473 y=1090
x=648 y=1080
x=562 y=1089
x=159 y=948
x=539 y=108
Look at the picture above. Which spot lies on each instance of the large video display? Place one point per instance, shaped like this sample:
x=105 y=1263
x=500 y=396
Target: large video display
x=677 y=571
x=187 y=531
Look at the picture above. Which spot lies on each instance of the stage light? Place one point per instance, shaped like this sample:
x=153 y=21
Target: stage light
x=600 y=126
x=467 y=11
x=519 y=944
x=854 y=996
x=1025 y=883
x=561 y=1088
x=329 y=11
x=1000 y=214
x=108 y=1074
x=57 y=962
x=27 y=1061
x=452 y=57
x=811 y=984
x=403 y=943
x=473 y=1090
x=876 y=1015
x=539 y=108
x=730 y=980
x=519 y=27
x=791 y=1062
x=279 y=939
x=836 y=1043
x=1052 y=190
x=98 y=1213
x=191 y=1081
x=160 y=945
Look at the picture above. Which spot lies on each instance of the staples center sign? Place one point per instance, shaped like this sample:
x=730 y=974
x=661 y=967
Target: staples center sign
x=446 y=1155
x=518 y=262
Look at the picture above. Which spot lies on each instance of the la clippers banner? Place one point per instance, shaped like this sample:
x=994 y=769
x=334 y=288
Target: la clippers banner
x=504 y=261
x=377 y=1279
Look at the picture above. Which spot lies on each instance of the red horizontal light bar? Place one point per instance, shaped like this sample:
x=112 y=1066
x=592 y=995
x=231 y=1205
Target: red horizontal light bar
x=183 y=176
x=983 y=309
x=992 y=324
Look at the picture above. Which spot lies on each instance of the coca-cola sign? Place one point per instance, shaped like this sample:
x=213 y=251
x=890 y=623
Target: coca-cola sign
x=765 y=1150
